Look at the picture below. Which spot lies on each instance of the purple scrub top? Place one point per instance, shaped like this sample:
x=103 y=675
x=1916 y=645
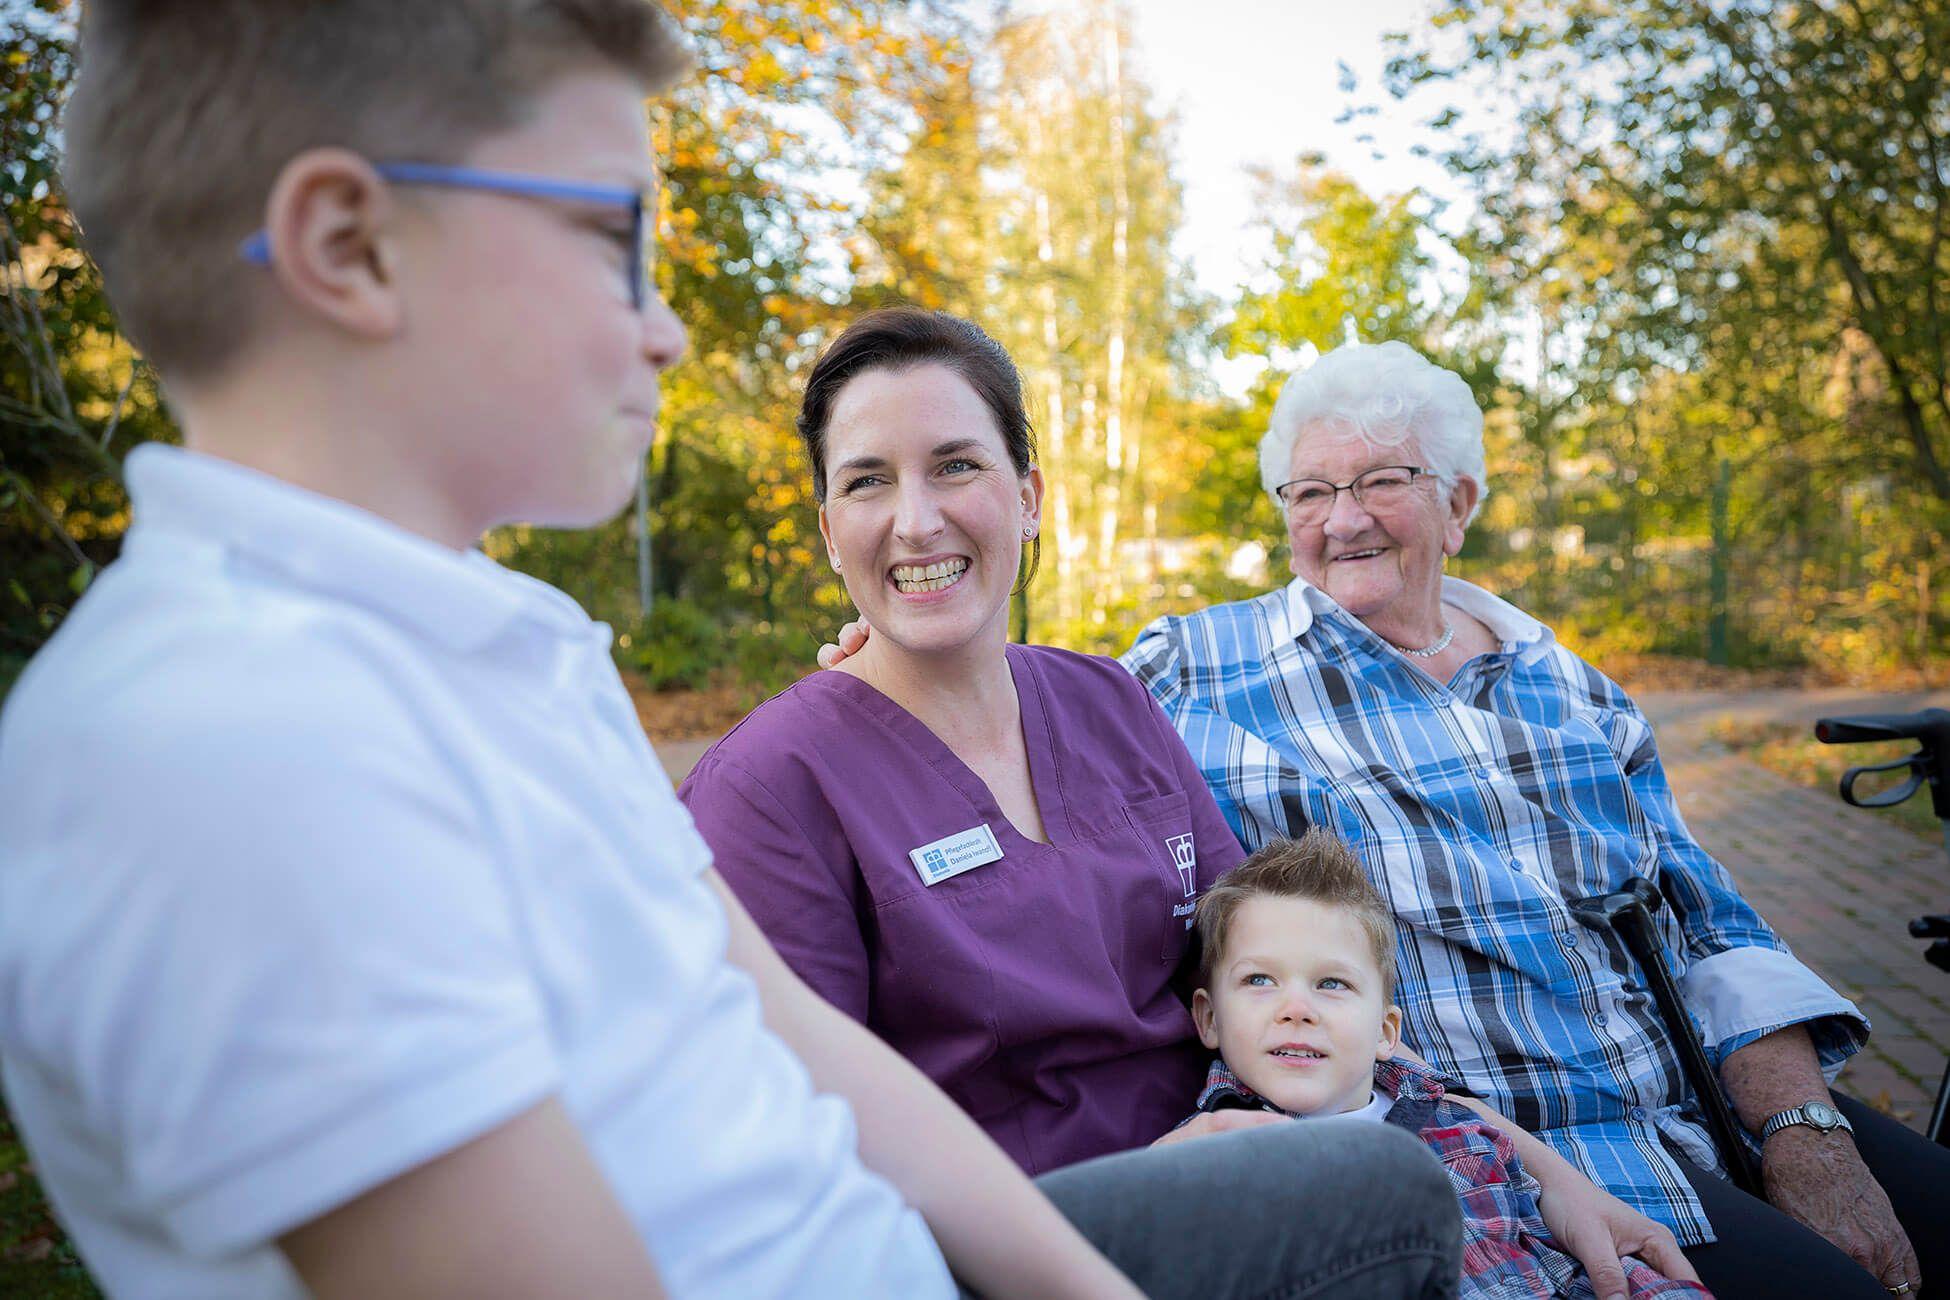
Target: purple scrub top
x=1035 y=988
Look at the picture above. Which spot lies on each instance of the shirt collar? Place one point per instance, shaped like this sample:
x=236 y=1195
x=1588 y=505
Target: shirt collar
x=1401 y=1079
x=1223 y=1091
x=460 y=598
x=1519 y=633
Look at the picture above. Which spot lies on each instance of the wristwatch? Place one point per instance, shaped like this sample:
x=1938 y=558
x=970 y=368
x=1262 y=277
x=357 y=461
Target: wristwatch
x=1817 y=1115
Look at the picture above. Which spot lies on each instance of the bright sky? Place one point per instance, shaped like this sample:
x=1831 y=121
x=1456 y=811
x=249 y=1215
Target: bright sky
x=1257 y=81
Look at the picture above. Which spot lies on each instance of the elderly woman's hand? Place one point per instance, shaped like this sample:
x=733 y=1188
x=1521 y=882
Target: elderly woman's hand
x=1819 y=1178
x=847 y=643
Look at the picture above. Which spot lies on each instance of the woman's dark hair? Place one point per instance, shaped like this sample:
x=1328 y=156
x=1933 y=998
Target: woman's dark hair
x=899 y=338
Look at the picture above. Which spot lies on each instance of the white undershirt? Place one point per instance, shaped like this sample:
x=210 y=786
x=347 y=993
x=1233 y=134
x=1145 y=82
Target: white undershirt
x=1377 y=1109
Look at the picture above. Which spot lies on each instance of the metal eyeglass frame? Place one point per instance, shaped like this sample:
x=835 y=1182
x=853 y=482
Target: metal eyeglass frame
x=256 y=248
x=1414 y=472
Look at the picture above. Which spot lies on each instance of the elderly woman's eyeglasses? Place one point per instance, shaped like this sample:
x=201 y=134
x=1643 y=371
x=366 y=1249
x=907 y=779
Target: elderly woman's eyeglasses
x=1378 y=490
x=256 y=248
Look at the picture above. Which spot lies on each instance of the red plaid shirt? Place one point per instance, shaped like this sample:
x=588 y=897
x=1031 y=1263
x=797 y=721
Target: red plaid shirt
x=1508 y=1252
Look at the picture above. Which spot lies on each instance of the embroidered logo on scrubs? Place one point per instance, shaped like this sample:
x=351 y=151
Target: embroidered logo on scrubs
x=1185 y=860
x=954 y=854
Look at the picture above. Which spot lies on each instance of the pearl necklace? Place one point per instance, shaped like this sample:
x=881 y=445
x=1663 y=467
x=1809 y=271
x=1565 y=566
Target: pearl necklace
x=1434 y=648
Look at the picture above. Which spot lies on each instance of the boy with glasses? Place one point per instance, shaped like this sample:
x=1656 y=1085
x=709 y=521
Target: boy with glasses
x=351 y=939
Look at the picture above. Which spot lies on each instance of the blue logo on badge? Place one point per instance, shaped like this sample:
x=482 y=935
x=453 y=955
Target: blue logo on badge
x=950 y=856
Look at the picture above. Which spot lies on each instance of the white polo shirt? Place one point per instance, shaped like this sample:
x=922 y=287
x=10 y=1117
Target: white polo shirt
x=325 y=849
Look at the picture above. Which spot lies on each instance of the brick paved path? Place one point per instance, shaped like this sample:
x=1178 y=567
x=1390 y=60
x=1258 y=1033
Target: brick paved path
x=1838 y=883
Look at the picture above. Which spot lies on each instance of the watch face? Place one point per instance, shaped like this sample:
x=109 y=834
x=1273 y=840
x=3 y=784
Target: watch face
x=1821 y=1115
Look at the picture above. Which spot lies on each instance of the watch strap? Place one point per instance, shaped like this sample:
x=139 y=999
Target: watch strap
x=1794 y=1115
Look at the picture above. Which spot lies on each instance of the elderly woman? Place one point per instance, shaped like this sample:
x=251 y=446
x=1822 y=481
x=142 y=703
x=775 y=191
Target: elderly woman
x=989 y=853
x=1489 y=777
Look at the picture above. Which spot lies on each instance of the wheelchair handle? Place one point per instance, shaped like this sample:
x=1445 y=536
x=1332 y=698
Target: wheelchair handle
x=1930 y=728
x=1887 y=798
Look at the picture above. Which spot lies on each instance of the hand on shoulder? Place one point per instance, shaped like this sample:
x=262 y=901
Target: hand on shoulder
x=846 y=643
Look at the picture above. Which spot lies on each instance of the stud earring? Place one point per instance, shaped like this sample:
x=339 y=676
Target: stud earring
x=1028 y=530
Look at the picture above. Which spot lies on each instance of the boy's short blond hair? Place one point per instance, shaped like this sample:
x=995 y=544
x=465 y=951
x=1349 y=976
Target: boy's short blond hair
x=1318 y=867
x=184 y=112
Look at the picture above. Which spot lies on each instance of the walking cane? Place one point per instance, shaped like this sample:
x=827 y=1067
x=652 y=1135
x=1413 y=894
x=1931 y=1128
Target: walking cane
x=1628 y=914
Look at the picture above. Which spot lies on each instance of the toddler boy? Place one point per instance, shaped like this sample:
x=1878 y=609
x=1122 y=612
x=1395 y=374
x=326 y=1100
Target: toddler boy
x=1296 y=994
x=352 y=941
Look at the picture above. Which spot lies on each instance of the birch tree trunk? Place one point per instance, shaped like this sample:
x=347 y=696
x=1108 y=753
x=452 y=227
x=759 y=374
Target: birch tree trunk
x=1056 y=452
x=1109 y=587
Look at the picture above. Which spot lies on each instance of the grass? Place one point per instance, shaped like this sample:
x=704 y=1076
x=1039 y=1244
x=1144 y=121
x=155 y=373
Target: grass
x=1793 y=752
x=37 y=1262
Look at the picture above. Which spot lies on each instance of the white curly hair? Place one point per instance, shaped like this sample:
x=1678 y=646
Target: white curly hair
x=1386 y=395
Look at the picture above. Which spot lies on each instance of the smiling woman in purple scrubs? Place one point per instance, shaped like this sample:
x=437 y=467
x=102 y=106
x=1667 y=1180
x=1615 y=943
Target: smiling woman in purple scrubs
x=989 y=853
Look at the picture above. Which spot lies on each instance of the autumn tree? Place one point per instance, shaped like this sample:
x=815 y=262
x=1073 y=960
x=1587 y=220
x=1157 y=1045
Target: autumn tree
x=1088 y=296
x=1722 y=227
x=1340 y=266
x=72 y=397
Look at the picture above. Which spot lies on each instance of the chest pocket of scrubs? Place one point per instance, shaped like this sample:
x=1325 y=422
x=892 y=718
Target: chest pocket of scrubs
x=1162 y=827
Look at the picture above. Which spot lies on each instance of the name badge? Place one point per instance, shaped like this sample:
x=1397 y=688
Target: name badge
x=954 y=854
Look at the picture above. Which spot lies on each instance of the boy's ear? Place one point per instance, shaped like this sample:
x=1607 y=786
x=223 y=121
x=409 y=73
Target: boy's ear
x=1391 y=1034
x=327 y=219
x=1206 y=1019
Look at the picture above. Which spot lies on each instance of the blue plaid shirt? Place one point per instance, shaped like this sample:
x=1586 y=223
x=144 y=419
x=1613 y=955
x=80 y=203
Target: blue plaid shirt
x=1482 y=808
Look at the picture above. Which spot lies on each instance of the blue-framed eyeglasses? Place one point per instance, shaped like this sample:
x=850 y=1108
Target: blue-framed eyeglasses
x=256 y=249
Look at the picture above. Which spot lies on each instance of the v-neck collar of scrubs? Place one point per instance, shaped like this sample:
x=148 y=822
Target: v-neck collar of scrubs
x=1045 y=780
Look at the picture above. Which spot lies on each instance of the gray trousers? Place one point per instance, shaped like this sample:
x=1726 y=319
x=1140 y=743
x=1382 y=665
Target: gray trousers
x=1326 y=1207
